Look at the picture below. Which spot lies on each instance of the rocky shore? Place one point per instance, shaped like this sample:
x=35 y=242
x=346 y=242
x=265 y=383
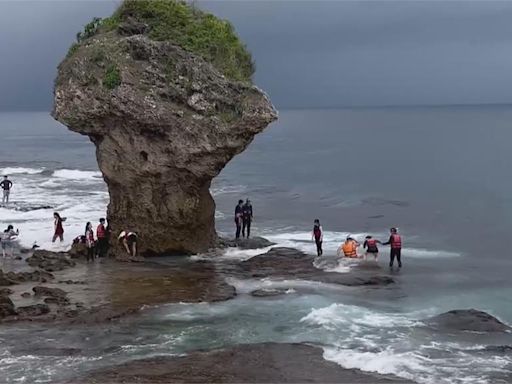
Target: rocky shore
x=250 y=363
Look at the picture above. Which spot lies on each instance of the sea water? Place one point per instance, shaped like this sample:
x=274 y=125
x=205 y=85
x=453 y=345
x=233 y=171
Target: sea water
x=439 y=174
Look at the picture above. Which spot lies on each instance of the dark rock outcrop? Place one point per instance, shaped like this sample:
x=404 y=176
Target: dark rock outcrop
x=6 y=307
x=50 y=261
x=32 y=310
x=165 y=122
x=49 y=292
x=294 y=264
x=251 y=243
x=467 y=320
x=250 y=363
x=268 y=292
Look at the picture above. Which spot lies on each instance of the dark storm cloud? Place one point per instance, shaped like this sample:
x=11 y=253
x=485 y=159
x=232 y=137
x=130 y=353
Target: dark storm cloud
x=307 y=53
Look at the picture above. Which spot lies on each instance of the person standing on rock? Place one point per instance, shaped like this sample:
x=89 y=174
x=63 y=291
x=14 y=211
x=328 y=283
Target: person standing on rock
x=89 y=241
x=238 y=218
x=6 y=185
x=395 y=241
x=101 y=235
x=246 y=218
x=58 y=228
x=318 y=236
x=129 y=240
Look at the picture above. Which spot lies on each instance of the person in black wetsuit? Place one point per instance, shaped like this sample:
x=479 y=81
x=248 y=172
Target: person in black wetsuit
x=246 y=218
x=238 y=218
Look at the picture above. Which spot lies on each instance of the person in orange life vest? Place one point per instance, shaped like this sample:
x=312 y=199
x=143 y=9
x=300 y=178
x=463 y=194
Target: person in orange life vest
x=102 y=237
x=318 y=236
x=370 y=244
x=129 y=240
x=395 y=241
x=349 y=248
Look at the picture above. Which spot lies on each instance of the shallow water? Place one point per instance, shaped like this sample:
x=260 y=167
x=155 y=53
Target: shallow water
x=439 y=174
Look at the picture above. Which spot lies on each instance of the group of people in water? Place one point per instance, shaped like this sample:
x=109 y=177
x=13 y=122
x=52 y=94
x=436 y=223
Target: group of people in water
x=349 y=247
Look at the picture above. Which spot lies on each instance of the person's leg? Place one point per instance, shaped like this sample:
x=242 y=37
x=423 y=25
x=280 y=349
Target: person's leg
x=399 y=257
x=317 y=242
x=125 y=243
x=134 y=249
x=61 y=237
x=391 y=257
x=4 y=195
x=248 y=228
x=244 y=225
x=7 y=196
x=54 y=238
x=375 y=255
x=238 y=229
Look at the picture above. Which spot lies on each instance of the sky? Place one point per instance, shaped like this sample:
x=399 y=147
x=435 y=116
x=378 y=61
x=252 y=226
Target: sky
x=308 y=54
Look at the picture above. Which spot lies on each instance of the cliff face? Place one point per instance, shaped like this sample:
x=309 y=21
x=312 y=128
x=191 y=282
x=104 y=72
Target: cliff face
x=165 y=121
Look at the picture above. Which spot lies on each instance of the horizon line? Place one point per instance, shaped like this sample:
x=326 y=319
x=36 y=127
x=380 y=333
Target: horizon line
x=355 y=106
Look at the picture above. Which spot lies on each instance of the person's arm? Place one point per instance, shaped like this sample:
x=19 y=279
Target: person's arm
x=389 y=241
x=365 y=244
x=125 y=242
x=251 y=213
x=10 y=184
x=321 y=234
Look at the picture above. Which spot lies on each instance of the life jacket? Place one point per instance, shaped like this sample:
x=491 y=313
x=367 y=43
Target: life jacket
x=100 y=231
x=349 y=248
x=371 y=245
x=317 y=232
x=396 y=241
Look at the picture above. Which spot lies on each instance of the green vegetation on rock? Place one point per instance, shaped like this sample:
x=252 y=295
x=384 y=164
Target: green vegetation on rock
x=186 y=26
x=112 y=78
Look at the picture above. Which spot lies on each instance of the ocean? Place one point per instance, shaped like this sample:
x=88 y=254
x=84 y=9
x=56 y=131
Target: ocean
x=439 y=174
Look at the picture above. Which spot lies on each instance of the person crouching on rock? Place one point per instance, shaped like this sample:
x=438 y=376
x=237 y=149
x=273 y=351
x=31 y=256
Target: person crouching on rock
x=318 y=236
x=349 y=248
x=89 y=241
x=238 y=218
x=58 y=228
x=129 y=240
x=370 y=244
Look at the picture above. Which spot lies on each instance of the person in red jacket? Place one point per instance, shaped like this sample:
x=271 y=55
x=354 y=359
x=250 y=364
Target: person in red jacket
x=370 y=244
x=101 y=236
x=395 y=241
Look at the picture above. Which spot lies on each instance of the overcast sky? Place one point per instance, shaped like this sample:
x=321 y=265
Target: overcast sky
x=307 y=53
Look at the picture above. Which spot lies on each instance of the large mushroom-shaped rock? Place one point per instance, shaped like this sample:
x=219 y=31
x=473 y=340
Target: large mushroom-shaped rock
x=164 y=92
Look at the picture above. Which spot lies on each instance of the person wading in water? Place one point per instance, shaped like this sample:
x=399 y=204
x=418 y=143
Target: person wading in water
x=395 y=241
x=318 y=236
x=6 y=185
x=370 y=244
x=58 y=228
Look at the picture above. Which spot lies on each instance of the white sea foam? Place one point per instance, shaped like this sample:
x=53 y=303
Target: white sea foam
x=20 y=170
x=339 y=315
x=75 y=174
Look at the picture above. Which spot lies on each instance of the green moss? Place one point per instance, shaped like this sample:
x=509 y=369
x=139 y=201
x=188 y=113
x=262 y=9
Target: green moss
x=198 y=32
x=112 y=78
x=74 y=47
